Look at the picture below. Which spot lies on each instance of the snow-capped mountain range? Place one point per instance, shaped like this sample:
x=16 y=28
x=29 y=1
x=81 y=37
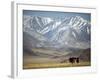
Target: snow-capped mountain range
x=73 y=32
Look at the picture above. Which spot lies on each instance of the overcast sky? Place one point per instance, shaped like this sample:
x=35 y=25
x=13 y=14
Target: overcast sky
x=53 y=14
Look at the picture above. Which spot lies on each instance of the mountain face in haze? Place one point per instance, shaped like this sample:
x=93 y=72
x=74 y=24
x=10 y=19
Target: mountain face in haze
x=73 y=32
x=86 y=55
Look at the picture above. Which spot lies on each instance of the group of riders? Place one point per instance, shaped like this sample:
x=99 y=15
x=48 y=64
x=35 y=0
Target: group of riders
x=74 y=60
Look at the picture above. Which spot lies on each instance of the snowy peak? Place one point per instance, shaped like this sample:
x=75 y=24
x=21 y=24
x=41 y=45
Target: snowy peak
x=77 y=22
x=69 y=32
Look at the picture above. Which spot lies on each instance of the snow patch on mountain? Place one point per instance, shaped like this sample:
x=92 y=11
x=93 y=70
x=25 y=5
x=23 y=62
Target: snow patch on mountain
x=71 y=32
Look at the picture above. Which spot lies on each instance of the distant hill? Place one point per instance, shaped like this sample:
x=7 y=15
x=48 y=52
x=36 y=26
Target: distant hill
x=86 y=55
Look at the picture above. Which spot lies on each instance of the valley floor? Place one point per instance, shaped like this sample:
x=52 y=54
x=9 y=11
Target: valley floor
x=45 y=58
x=54 y=65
